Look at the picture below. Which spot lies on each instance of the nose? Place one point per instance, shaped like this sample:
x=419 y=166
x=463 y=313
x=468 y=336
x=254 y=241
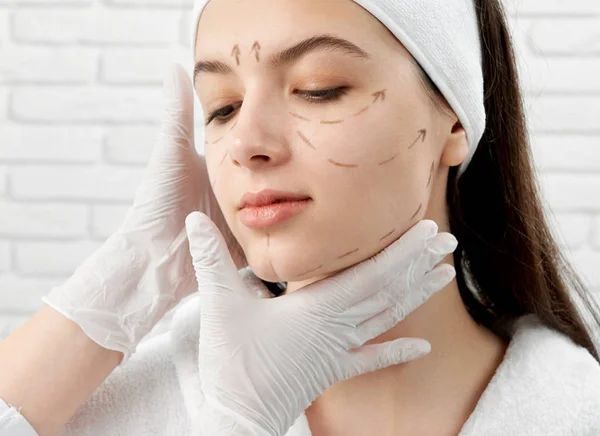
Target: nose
x=259 y=136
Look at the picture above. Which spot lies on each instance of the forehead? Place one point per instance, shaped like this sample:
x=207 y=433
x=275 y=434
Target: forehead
x=277 y=24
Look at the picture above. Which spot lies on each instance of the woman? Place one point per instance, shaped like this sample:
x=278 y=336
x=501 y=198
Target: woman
x=389 y=147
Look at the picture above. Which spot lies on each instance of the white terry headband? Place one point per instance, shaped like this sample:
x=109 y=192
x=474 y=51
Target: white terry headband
x=443 y=37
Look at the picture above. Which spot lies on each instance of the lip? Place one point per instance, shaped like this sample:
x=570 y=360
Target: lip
x=268 y=196
x=260 y=217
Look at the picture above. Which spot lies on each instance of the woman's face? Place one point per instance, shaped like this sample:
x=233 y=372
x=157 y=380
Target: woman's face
x=367 y=152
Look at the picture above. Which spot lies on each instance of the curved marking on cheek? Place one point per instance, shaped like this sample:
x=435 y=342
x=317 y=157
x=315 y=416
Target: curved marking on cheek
x=422 y=133
x=218 y=140
x=418 y=210
x=311 y=270
x=332 y=122
x=305 y=139
x=389 y=160
x=341 y=164
x=299 y=116
x=361 y=111
x=381 y=239
x=348 y=253
x=430 y=174
x=216 y=179
x=223 y=158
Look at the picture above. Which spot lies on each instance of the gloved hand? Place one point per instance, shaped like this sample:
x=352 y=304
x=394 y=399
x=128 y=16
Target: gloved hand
x=263 y=361
x=119 y=293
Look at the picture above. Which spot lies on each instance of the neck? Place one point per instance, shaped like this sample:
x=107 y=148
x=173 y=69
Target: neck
x=432 y=395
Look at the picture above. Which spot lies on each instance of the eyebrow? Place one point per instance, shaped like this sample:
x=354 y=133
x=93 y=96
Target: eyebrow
x=290 y=55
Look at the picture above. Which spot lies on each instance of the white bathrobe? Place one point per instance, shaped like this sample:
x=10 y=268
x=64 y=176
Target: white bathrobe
x=546 y=385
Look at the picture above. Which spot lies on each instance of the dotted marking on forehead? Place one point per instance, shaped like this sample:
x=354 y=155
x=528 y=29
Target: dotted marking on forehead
x=256 y=49
x=236 y=52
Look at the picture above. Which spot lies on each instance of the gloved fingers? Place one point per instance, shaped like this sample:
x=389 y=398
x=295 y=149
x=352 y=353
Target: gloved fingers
x=215 y=271
x=367 y=309
x=373 y=357
x=437 y=249
x=359 y=282
x=178 y=115
x=176 y=138
x=433 y=282
x=254 y=284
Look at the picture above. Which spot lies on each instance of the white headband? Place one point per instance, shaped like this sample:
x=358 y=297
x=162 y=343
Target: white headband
x=443 y=37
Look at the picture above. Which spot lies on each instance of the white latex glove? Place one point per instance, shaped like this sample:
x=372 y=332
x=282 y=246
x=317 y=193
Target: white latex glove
x=263 y=361
x=119 y=293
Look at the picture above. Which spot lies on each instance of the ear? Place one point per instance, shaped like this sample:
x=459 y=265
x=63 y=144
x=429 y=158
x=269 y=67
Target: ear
x=456 y=147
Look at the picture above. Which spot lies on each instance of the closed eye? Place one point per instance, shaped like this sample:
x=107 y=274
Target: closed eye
x=223 y=115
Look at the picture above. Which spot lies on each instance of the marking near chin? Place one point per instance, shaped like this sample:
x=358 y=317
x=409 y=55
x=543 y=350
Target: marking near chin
x=268 y=240
x=342 y=165
x=311 y=270
x=332 y=122
x=272 y=267
x=423 y=134
x=430 y=174
x=236 y=52
x=299 y=116
x=305 y=139
x=418 y=210
x=381 y=239
x=256 y=49
x=389 y=160
x=348 y=253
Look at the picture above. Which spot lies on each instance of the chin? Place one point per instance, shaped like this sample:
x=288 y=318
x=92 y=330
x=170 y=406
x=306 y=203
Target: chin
x=280 y=269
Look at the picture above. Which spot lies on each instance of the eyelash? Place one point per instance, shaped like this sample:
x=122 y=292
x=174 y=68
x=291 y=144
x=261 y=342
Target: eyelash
x=330 y=95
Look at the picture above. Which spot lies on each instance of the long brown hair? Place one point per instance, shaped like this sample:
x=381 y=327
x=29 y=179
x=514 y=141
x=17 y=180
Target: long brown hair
x=496 y=214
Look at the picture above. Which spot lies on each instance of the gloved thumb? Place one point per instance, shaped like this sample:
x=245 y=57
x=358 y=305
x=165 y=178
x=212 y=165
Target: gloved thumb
x=215 y=270
x=378 y=356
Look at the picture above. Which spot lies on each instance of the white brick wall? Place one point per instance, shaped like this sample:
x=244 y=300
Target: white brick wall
x=80 y=107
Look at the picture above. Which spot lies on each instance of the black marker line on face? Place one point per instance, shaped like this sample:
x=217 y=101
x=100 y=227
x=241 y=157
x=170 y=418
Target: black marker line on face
x=430 y=174
x=312 y=270
x=305 y=139
x=342 y=165
x=299 y=116
x=236 y=52
x=418 y=210
x=422 y=133
x=381 y=239
x=348 y=253
x=389 y=160
x=256 y=47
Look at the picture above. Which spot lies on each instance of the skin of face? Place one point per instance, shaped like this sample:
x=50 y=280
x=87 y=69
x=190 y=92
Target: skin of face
x=371 y=159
